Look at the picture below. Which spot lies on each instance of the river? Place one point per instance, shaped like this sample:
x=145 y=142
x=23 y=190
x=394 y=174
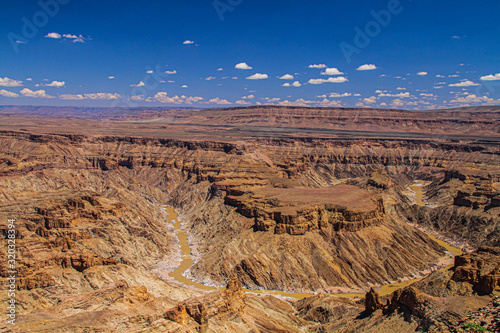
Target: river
x=187 y=261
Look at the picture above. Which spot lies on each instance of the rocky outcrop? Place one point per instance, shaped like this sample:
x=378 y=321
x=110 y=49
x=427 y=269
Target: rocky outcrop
x=480 y=269
x=372 y=302
x=218 y=304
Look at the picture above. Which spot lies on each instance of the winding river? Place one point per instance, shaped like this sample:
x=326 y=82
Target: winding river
x=187 y=261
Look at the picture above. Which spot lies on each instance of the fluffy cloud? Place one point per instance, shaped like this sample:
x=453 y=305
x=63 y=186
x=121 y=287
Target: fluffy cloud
x=327 y=103
x=366 y=67
x=465 y=83
x=210 y=78
x=149 y=72
x=427 y=95
x=6 y=82
x=35 y=94
x=286 y=77
x=217 y=100
x=242 y=102
x=258 y=76
x=171 y=72
x=98 y=96
x=140 y=84
x=400 y=95
x=332 y=71
x=111 y=77
x=422 y=73
x=491 y=77
x=75 y=38
x=163 y=98
x=186 y=42
x=220 y=69
x=184 y=86
x=337 y=95
x=248 y=97
x=54 y=35
x=295 y=84
x=339 y=79
x=317 y=66
x=6 y=93
x=272 y=100
x=370 y=100
x=473 y=99
x=242 y=65
x=57 y=84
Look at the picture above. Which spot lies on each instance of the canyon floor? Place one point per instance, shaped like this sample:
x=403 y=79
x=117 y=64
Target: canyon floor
x=289 y=219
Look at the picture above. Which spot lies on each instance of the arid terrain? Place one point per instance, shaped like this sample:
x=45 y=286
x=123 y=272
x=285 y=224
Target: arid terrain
x=317 y=202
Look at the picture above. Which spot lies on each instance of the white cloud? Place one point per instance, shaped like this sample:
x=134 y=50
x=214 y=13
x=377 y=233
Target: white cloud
x=210 y=78
x=272 y=100
x=29 y=79
x=69 y=36
x=220 y=69
x=242 y=65
x=217 y=100
x=184 y=86
x=163 y=98
x=137 y=98
x=465 y=83
x=295 y=84
x=186 y=42
x=242 y=102
x=317 y=66
x=57 y=84
x=339 y=79
x=111 y=77
x=400 y=88
x=400 y=95
x=248 y=97
x=6 y=82
x=440 y=75
x=337 y=95
x=171 y=72
x=332 y=71
x=327 y=103
x=258 y=76
x=427 y=95
x=98 y=96
x=491 y=77
x=6 y=93
x=35 y=94
x=149 y=72
x=370 y=100
x=140 y=84
x=422 y=73
x=397 y=103
x=473 y=99
x=54 y=35
x=366 y=67
x=286 y=77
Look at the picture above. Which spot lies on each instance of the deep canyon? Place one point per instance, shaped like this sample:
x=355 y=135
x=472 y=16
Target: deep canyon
x=310 y=201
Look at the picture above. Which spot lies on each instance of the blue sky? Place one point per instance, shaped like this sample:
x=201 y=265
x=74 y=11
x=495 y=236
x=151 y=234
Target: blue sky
x=415 y=54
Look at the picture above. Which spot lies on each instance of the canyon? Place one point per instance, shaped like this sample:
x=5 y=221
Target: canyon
x=307 y=201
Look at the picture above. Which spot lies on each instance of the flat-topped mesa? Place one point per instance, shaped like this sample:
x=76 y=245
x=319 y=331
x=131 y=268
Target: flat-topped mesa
x=297 y=210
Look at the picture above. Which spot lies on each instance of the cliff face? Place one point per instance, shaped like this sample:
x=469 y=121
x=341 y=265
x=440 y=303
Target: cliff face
x=264 y=210
x=463 y=204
